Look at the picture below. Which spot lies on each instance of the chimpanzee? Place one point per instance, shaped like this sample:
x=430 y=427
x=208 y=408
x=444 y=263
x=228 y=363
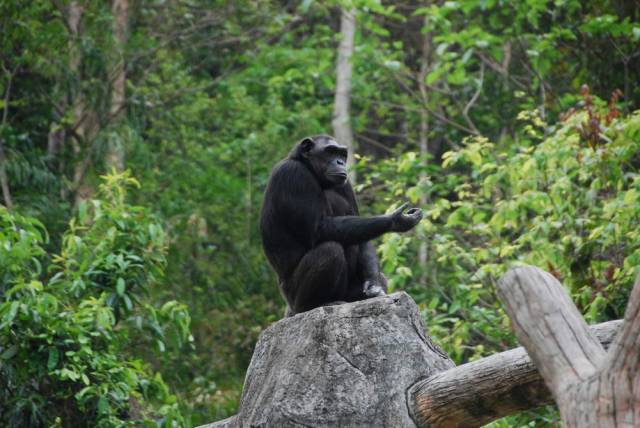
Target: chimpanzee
x=312 y=233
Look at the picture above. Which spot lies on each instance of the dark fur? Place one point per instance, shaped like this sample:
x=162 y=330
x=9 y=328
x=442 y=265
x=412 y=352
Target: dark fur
x=313 y=236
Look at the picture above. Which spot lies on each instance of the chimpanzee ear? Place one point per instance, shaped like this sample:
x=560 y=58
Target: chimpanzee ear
x=306 y=145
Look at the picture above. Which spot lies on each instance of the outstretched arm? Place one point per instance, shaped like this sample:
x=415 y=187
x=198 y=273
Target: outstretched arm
x=298 y=198
x=353 y=230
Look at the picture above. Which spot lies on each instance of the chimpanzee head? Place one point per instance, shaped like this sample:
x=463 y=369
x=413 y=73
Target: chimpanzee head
x=325 y=157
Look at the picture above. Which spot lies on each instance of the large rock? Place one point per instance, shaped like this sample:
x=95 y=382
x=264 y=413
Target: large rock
x=344 y=365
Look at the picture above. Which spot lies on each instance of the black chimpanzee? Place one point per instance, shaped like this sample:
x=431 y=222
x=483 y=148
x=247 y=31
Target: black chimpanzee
x=312 y=233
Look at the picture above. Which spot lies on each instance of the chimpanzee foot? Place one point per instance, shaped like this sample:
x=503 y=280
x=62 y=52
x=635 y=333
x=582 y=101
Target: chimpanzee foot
x=374 y=291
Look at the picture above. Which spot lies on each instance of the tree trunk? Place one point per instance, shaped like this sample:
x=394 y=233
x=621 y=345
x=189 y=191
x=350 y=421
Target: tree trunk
x=592 y=387
x=115 y=154
x=424 y=140
x=85 y=123
x=4 y=180
x=342 y=102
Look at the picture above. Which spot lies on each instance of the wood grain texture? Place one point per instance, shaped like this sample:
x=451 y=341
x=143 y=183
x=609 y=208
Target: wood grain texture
x=550 y=327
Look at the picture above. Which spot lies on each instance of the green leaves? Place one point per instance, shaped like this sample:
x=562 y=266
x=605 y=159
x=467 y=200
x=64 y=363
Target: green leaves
x=52 y=361
x=555 y=203
x=120 y=287
x=69 y=331
x=218 y=96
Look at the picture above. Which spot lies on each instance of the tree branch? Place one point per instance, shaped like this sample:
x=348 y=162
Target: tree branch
x=550 y=327
x=623 y=355
x=488 y=389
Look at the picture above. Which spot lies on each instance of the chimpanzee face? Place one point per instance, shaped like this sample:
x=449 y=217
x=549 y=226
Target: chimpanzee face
x=327 y=159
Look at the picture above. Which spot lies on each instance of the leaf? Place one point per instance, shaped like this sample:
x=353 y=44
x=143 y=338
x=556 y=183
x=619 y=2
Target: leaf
x=103 y=405
x=127 y=302
x=69 y=374
x=8 y=318
x=84 y=391
x=54 y=356
x=305 y=5
x=435 y=75
x=120 y=286
x=10 y=352
x=631 y=197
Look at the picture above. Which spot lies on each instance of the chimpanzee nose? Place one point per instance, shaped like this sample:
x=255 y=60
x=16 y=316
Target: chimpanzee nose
x=340 y=162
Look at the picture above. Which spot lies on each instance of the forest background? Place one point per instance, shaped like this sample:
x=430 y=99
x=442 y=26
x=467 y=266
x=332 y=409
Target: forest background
x=136 y=138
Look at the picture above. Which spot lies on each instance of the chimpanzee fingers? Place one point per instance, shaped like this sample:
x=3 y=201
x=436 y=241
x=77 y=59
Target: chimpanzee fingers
x=413 y=213
x=400 y=209
x=413 y=217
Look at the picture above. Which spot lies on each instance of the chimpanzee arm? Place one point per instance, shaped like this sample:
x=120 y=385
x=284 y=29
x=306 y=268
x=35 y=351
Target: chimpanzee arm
x=374 y=284
x=301 y=206
x=352 y=230
x=368 y=263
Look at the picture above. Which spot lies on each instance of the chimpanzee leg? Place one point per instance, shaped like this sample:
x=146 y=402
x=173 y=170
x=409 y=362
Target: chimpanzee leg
x=319 y=278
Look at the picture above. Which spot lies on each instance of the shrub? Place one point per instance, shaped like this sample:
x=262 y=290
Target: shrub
x=65 y=330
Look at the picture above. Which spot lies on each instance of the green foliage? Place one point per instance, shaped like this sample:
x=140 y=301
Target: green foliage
x=64 y=331
x=554 y=200
x=208 y=154
x=216 y=93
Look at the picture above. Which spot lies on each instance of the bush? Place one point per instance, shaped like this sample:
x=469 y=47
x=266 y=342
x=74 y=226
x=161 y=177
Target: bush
x=565 y=198
x=65 y=330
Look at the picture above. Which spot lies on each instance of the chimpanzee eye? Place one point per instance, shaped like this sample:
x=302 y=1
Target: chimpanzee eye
x=339 y=151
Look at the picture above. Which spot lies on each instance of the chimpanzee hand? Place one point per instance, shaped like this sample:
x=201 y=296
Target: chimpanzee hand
x=402 y=222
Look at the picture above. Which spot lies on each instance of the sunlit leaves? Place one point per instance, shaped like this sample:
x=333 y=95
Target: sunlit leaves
x=551 y=201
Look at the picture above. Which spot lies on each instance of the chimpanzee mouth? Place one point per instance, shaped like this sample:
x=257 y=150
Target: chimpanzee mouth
x=340 y=176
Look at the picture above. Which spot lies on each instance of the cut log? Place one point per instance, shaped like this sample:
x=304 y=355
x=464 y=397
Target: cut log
x=592 y=388
x=488 y=389
x=344 y=365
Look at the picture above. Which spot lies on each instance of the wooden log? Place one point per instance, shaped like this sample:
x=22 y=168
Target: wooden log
x=591 y=388
x=482 y=391
x=549 y=326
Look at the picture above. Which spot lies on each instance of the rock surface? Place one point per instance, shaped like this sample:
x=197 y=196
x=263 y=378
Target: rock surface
x=344 y=365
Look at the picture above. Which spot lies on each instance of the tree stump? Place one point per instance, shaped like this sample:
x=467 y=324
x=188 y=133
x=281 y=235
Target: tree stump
x=370 y=363
x=344 y=365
